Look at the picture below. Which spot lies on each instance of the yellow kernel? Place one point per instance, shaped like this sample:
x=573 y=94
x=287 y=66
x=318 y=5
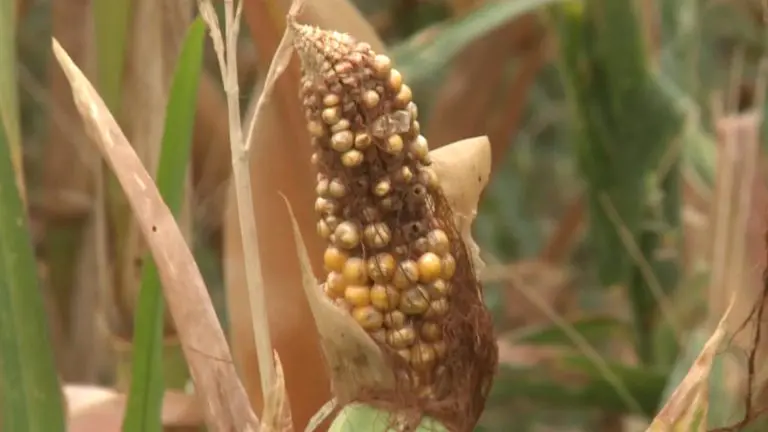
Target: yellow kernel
x=394 y=319
x=395 y=80
x=342 y=141
x=315 y=128
x=340 y=126
x=337 y=188
x=404 y=96
x=419 y=148
x=331 y=99
x=438 y=242
x=406 y=274
x=368 y=317
x=384 y=297
x=377 y=235
x=352 y=158
x=371 y=98
x=362 y=141
x=401 y=338
x=381 y=267
x=382 y=65
x=394 y=144
x=357 y=295
x=431 y=331
x=422 y=356
x=347 y=235
x=429 y=267
x=448 y=266
x=322 y=187
x=414 y=301
x=331 y=116
x=334 y=258
x=437 y=308
x=355 y=271
x=382 y=187
x=335 y=284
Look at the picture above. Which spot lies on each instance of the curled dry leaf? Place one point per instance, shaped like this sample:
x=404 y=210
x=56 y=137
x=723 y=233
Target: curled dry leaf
x=224 y=399
x=687 y=407
x=91 y=408
x=276 y=416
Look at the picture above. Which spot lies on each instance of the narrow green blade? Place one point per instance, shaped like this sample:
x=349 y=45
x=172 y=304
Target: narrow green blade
x=145 y=400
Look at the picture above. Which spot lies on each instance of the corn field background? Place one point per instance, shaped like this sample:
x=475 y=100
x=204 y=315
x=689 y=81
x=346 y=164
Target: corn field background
x=623 y=224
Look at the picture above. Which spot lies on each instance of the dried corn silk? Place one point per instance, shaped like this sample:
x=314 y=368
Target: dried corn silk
x=394 y=260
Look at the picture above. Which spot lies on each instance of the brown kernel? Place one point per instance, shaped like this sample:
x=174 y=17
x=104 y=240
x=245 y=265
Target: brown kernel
x=438 y=242
x=405 y=354
x=423 y=356
x=394 y=319
x=352 y=158
x=355 y=271
x=401 y=338
x=371 y=98
x=414 y=301
x=381 y=267
x=448 y=266
x=439 y=288
x=391 y=203
x=440 y=349
x=368 y=317
x=429 y=267
x=394 y=144
x=377 y=235
x=437 y=308
x=342 y=141
x=370 y=214
x=331 y=116
x=406 y=274
x=384 y=297
x=347 y=235
x=431 y=331
x=362 y=141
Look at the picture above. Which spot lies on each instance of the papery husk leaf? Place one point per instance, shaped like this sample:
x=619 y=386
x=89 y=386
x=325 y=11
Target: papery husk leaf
x=276 y=416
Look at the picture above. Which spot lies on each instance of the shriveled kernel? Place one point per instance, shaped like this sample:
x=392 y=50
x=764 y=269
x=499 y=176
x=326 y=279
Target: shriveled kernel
x=394 y=144
x=357 y=295
x=421 y=245
x=341 y=126
x=335 y=283
x=335 y=258
x=382 y=187
x=439 y=288
x=394 y=320
x=406 y=274
x=371 y=98
x=352 y=158
x=355 y=271
x=415 y=128
x=429 y=267
x=362 y=141
x=382 y=65
x=347 y=235
x=437 y=308
x=337 y=188
x=381 y=267
x=331 y=99
x=401 y=338
x=438 y=242
x=343 y=67
x=391 y=203
x=423 y=356
x=322 y=187
x=331 y=116
x=404 y=96
x=368 y=317
x=414 y=301
x=431 y=331
x=384 y=297
x=332 y=221
x=405 y=354
x=342 y=141
x=315 y=128
x=370 y=214
x=419 y=148
x=395 y=80
x=377 y=235
x=448 y=266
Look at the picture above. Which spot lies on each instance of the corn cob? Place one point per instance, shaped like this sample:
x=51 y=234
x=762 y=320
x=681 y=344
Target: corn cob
x=393 y=256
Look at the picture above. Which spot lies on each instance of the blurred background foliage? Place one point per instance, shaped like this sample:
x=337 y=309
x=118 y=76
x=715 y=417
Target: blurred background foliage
x=583 y=346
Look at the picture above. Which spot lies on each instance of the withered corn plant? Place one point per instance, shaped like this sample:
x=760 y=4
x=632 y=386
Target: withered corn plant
x=625 y=147
x=395 y=260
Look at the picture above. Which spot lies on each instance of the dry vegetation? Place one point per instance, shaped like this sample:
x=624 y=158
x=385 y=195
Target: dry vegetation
x=350 y=215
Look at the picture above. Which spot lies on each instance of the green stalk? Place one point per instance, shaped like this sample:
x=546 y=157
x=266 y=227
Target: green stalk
x=29 y=387
x=147 y=382
x=624 y=124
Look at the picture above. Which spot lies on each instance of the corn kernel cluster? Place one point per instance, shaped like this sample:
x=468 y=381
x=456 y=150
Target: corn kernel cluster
x=388 y=261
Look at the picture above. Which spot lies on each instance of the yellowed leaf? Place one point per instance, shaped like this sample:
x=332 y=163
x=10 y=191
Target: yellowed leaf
x=276 y=416
x=687 y=407
x=464 y=168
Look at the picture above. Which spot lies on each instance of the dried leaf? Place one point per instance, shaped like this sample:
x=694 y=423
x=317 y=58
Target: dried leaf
x=464 y=168
x=687 y=408
x=276 y=416
x=353 y=358
x=225 y=402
